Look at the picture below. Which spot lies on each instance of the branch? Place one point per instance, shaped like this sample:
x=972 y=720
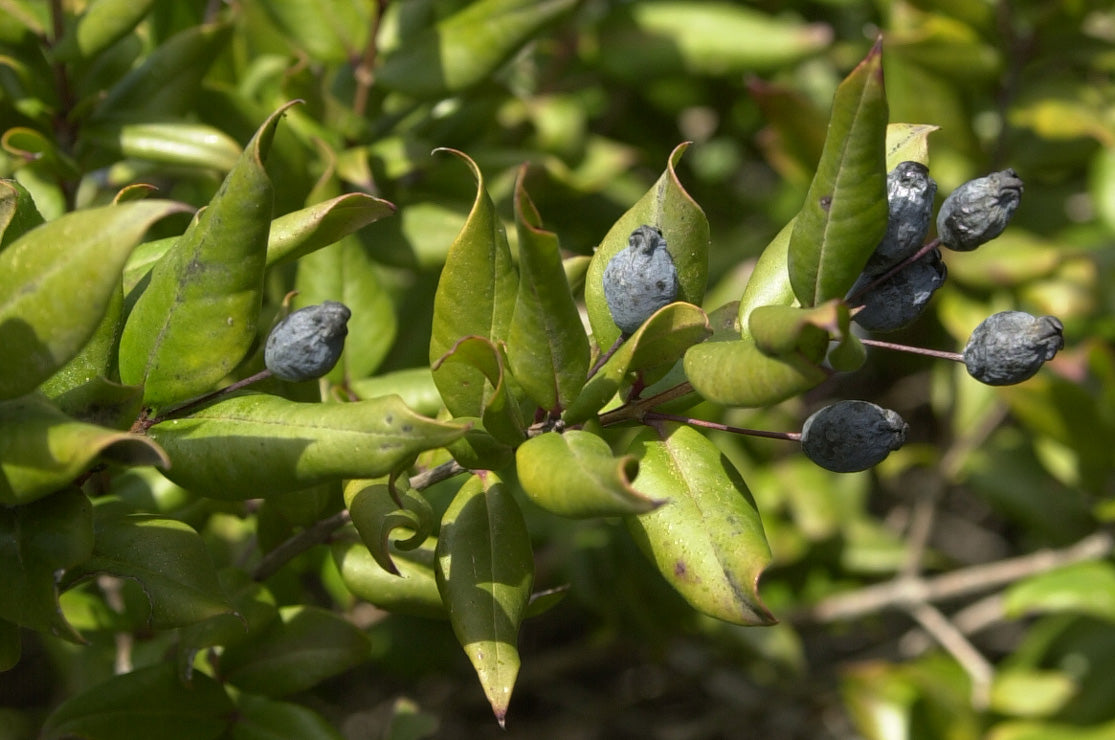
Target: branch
x=322 y=531
x=904 y=592
x=317 y=534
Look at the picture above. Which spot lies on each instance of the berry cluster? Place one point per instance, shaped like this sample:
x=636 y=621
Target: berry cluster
x=897 y=282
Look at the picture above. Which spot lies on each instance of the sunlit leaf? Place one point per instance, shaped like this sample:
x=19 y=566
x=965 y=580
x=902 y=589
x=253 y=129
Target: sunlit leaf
x=252 y=445
x=484 y=572
x=845 y=211
x=58 y=281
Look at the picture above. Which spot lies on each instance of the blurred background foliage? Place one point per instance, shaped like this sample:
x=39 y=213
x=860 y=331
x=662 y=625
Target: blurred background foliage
x=594 y=95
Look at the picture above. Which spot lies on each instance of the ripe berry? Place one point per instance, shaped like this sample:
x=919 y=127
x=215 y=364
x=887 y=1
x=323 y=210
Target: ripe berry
x=308 y=342
x=640 y=279
x=901 y=298
x=1011 y=346
x=849 y=436
x=910 y=192
x=979 y=210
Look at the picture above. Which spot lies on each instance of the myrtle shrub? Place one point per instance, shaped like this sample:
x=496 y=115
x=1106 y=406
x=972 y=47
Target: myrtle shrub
x=348 y=344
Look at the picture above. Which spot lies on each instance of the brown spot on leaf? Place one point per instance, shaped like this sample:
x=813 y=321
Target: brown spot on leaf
x=826 y=202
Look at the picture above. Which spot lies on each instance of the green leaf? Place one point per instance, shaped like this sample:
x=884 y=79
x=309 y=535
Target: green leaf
x=789 y=330
x=484 y=572
x=290 y=237
x=738 y=373
x=1086 y=588
x=412 y=591
x=302 y=648
x=176 y=143
x=475 y=297
x=1031 y=693
x=305 y=231
x=196 y=319
x=146 y=703
x=659 y=342
x=908 y=142
x=672 y=210
x=42 y=449
x=769 y=283
x=694 y=37
x=575 y=474
x=36 y=540
x=59 y=279
x=18 y=213
x=166 y=84
x=845 y=211
x=547 y=348
x=501 y=416
x=377 y=516
x=331 y=31
x=345 y=272
x=170 y=562
x=707 y=540
x=259 y=718
x=103 y=23
x=465 y=48
x=256 y=444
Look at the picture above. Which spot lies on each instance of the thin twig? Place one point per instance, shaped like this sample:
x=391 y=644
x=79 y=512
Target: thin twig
x=978 y=668
x=901 y=592
x=322 y=531
x=940 y=354
x=658 y=416
x=316 y=534
x=853 y=299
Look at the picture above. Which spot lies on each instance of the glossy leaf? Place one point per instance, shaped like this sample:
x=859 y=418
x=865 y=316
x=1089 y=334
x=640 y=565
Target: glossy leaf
x=413 y=590
x=259 y=718
x=170 y=562
x=501 y=416
x=475 y=297
x=466 y=47
x=484 y=573
x=738 y=373
x=177 y=143
x=165 y=85
x=788 y=330
x=145 y=703
x=103 y=23
x=707 y=540
x=196 y=319
x=672 y=210
x=58 y=281
x=18 y=213
x=845 y=211
x=377 y=517
x=36 y=540
x=769 y=283
x=1087 y=588
x=659 y=342
x=305 y=231
x=547 y=348
x=290 y=237
x=86 y=373
x=302 y=648
x=252 y=445
x=575 y=474
x=43 y=450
